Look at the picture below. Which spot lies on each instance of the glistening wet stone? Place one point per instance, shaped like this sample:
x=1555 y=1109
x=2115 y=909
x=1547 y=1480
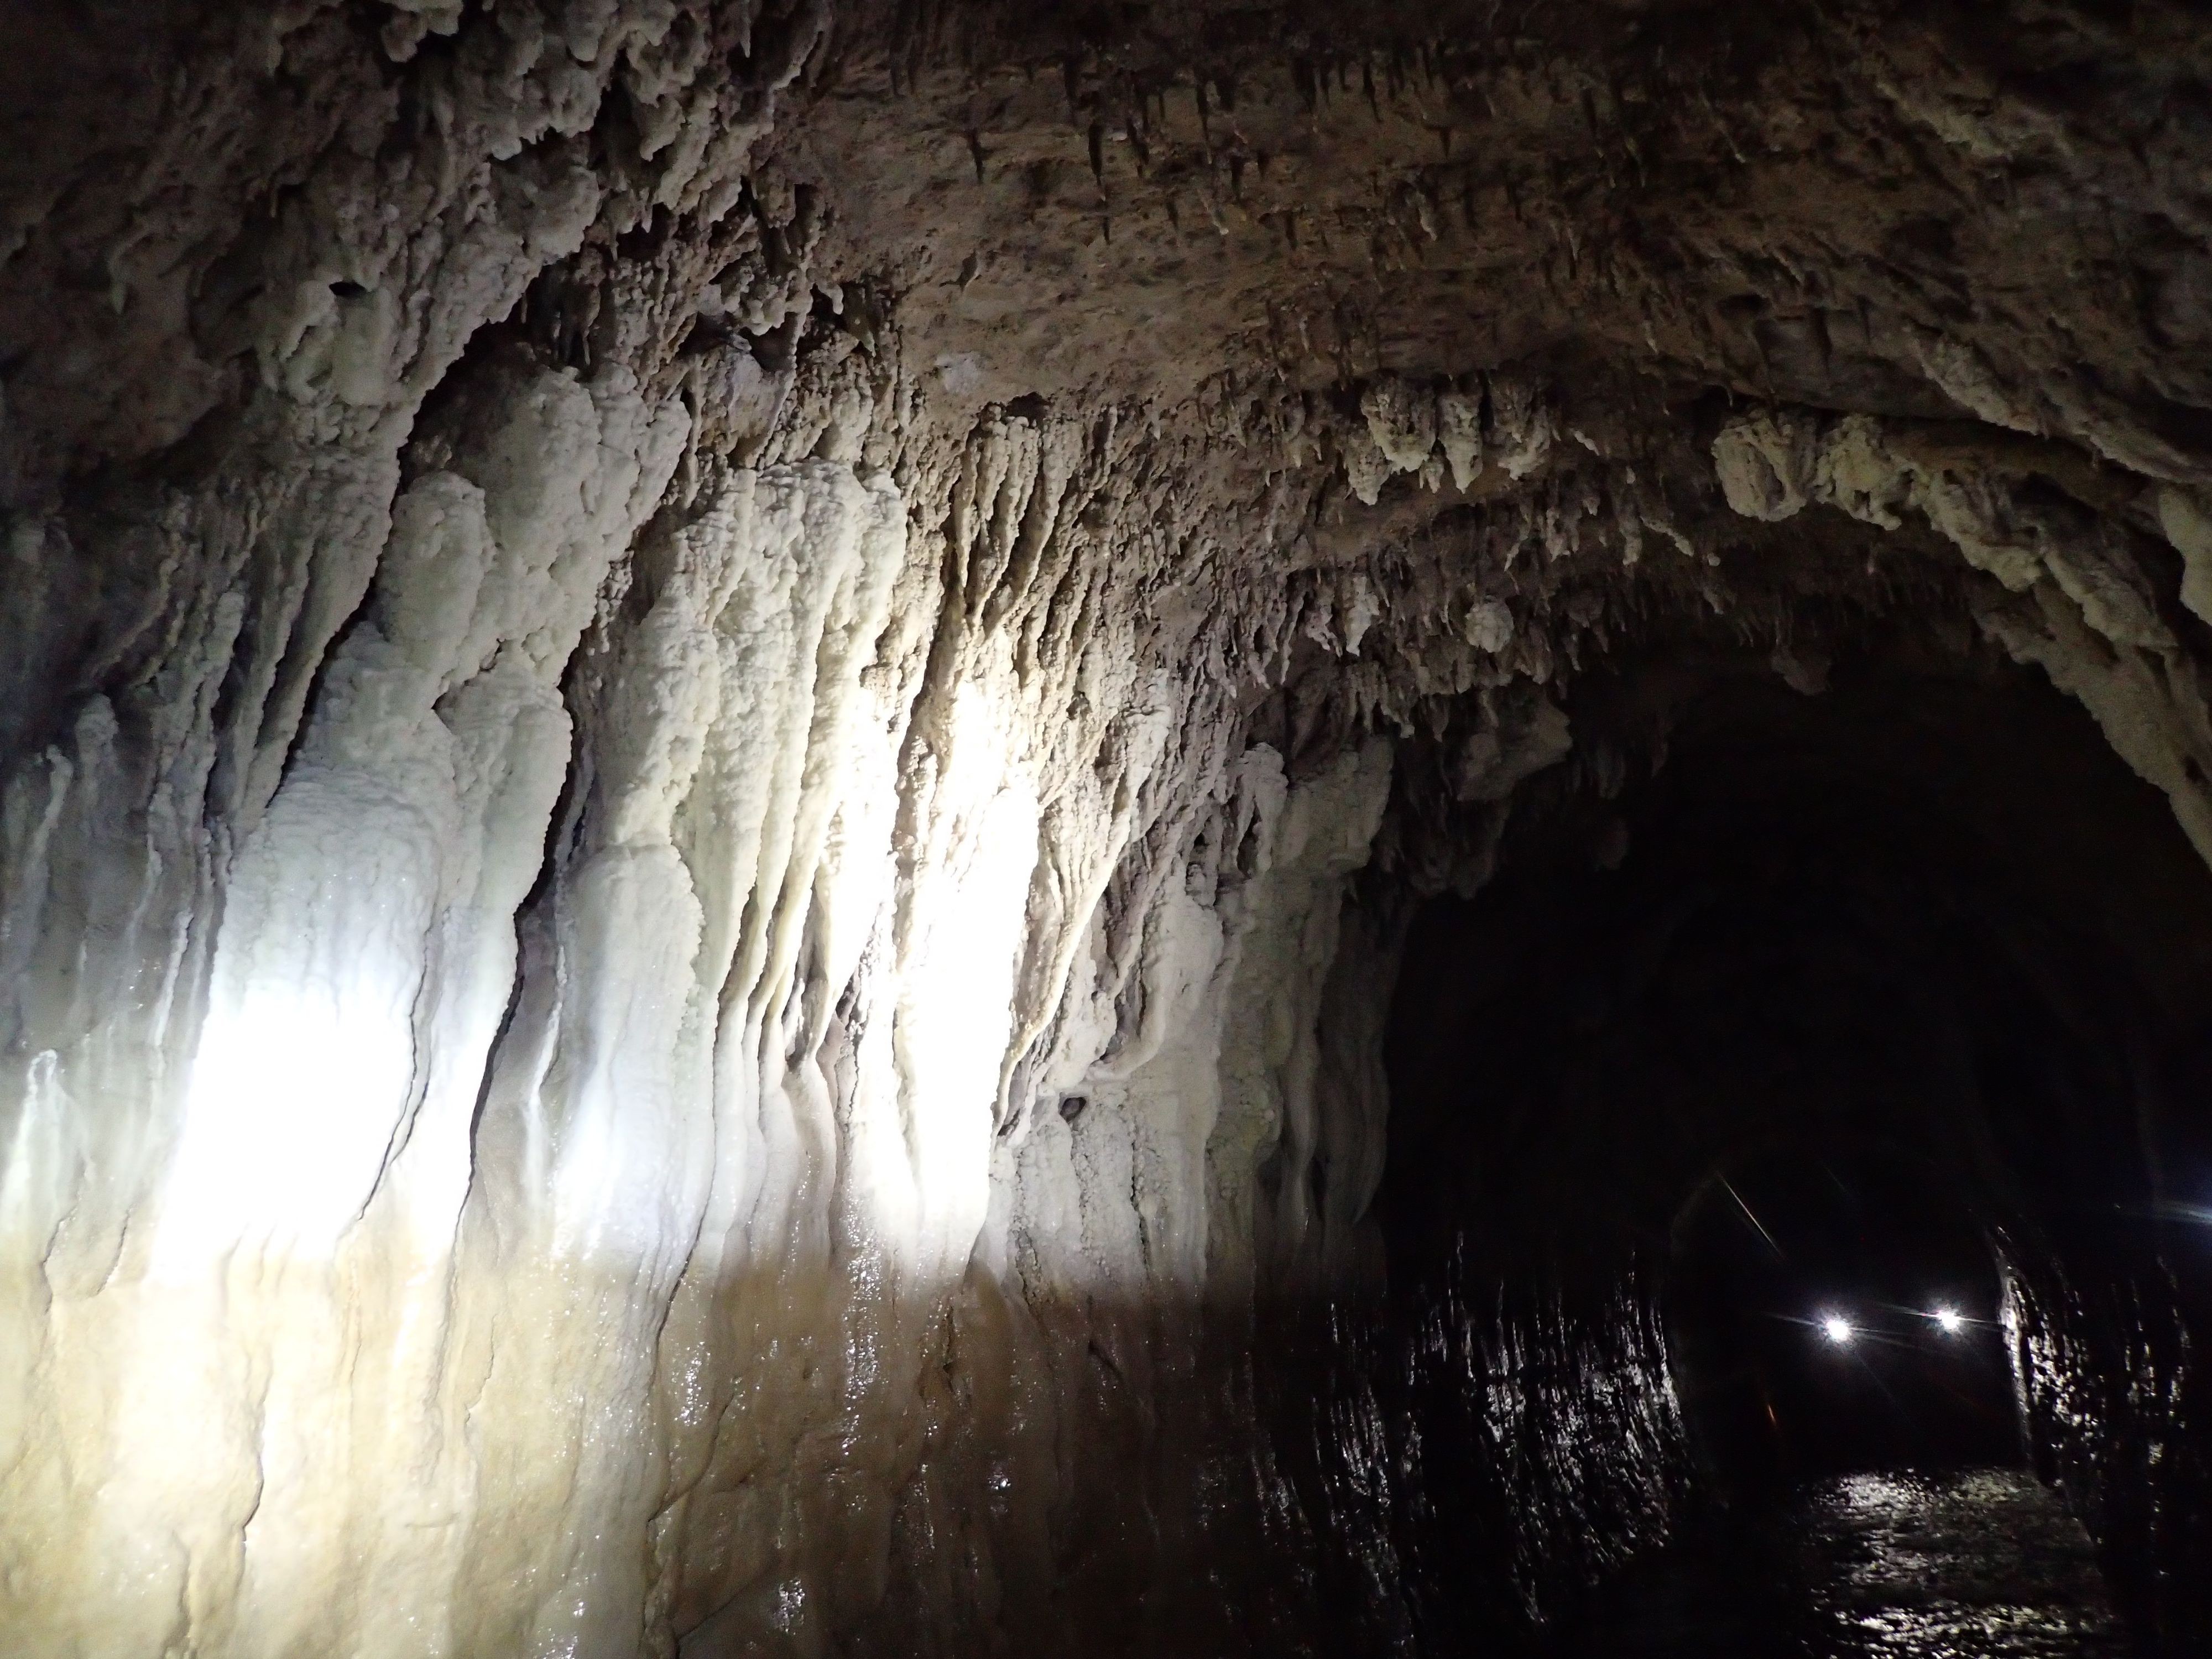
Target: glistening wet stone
x=1981 y=1564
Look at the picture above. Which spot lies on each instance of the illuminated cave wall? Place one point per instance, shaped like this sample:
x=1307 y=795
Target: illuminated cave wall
x=615 y=1089
x=630 y=1020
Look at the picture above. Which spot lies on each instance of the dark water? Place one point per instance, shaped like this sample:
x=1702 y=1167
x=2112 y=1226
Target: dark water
x=1983 y=1565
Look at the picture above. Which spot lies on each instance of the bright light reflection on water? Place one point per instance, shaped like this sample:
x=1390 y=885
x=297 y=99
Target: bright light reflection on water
x=1983 y=1565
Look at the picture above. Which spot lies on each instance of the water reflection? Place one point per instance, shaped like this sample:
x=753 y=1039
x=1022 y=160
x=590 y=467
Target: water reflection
x=1983 y=1565
x=1980 y=1563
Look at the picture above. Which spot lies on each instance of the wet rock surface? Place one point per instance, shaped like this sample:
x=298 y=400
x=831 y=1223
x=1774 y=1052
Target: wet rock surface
x=1455 y=1469
x=1886 y=1565
x=2111 y=1395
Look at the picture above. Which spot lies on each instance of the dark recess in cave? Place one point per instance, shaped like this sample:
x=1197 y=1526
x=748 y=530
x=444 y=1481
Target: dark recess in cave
x=1869 y=1003
x=1834 y=1312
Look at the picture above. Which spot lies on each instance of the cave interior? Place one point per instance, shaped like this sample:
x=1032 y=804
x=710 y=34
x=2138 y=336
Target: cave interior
x=1225 y=827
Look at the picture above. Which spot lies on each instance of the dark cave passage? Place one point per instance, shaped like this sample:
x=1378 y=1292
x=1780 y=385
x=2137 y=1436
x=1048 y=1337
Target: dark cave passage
x=1829 y=1311
x=1921 y=911
x=1835 y=1038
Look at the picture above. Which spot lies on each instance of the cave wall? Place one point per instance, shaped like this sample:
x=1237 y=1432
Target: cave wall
x=646 y=996
x=537 y=916
x=1453 y=1465
x=2105 y=1347
x=586 y=1111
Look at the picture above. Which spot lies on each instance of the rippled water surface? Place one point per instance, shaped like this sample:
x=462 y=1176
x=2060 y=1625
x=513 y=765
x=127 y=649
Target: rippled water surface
x=1976 y=1565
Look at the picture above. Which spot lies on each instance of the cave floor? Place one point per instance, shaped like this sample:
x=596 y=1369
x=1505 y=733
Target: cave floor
x=1980 y=1564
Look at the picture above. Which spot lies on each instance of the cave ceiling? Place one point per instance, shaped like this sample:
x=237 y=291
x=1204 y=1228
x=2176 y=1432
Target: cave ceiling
x=1343 y=306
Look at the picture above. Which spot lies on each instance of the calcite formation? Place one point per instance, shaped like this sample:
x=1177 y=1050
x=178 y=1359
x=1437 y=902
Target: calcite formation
x=719 y=719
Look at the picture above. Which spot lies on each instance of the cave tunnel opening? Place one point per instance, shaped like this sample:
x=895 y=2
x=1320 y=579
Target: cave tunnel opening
x=1795 y=1018
x=1834 y=1309
x=1924 y=906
